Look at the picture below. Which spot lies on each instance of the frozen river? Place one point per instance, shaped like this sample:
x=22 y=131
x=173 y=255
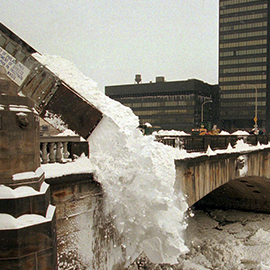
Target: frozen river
x=227 y=240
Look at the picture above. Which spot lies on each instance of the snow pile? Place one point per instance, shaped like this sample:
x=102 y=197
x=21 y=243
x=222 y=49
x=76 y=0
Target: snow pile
x=210 y=152
x=136 y=172
x=80 y=165
x=170 y=133
x=148 y=125
x=67 y=132
x=240 y=133
x=224 y=133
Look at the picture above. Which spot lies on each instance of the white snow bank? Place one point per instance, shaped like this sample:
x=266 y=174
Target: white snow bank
x=242 y=147
x=67 y=132
x=148 y=125
x=170 y=133
x=20 y=108
x=8 y=222
x=79 y=165
x=224 y=133
x=240 y=133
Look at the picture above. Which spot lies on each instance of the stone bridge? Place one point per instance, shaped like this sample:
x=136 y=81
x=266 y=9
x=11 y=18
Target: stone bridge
x=235 y=180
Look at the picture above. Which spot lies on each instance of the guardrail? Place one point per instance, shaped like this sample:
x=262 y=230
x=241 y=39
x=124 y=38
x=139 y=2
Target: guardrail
x=59 y=148
x=197 y=143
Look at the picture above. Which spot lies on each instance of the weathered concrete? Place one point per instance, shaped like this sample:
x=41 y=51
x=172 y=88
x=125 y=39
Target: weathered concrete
x=197 y=177
x=85 y=235
x=19 y=139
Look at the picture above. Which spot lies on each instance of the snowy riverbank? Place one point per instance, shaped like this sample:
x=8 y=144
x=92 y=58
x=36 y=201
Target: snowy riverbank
x=227 y=240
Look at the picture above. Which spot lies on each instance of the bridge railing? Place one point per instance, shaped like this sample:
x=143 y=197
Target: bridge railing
x=197 y=143
x=60 y=148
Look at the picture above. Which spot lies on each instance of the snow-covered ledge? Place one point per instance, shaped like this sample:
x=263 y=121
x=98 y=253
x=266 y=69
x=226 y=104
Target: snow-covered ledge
x=21 y=192
x=8 y=222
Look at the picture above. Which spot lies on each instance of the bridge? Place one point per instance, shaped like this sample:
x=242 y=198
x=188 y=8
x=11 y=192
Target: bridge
x=238 y=180
x=227 y=179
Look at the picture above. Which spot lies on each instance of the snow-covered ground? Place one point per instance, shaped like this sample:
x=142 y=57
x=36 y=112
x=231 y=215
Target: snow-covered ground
x=227 y=240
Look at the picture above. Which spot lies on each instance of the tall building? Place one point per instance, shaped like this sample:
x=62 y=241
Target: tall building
x=244 y=64
x=178 y=105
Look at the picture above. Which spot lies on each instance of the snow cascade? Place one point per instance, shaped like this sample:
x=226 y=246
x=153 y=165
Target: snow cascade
x=137 y=174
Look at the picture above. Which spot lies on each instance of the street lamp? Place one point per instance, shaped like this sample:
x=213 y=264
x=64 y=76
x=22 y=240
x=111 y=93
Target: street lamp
x=207 y=101
x=256 y=108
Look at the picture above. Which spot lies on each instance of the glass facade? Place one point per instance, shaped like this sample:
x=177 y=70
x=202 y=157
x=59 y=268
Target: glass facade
x=243 y=63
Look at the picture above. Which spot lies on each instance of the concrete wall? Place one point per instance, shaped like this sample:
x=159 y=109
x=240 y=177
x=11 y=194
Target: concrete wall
x=86 y=238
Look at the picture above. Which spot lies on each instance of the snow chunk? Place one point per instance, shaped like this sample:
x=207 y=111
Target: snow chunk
x=55 y=121
x=241 y=146
x=148 y=125
x=260 y=237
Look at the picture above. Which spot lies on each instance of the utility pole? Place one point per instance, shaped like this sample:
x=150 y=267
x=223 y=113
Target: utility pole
x=207 y=101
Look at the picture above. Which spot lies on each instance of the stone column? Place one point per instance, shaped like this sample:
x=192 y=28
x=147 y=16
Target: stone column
x=28 y=243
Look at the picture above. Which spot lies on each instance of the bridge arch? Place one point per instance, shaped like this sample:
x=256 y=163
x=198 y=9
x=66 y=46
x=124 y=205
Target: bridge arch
x=249 y=193
x=237 y=180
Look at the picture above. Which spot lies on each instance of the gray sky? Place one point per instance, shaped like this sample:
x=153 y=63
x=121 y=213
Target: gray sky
x=111 y=41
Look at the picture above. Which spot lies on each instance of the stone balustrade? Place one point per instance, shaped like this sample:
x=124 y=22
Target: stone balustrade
x=59 y=148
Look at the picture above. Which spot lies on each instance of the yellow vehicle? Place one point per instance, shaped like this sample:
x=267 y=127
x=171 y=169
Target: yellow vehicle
x=204 y=131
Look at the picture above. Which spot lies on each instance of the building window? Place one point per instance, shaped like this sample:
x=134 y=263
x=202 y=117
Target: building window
x=243 y=43
x=242 y=78
x=238 y=87
x=243 y=17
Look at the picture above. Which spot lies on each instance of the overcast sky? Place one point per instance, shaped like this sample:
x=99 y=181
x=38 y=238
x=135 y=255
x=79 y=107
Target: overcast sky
x=110 y=41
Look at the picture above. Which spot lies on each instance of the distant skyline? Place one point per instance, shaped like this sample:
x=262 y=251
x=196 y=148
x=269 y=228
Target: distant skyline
x=111 y=41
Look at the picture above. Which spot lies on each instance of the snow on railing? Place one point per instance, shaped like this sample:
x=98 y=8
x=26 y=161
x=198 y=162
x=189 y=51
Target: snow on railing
x=197 y=143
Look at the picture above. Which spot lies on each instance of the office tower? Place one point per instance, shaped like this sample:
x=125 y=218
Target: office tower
x=243 y=64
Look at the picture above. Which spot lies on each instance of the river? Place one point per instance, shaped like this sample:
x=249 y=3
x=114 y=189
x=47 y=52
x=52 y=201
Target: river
x=229 y=239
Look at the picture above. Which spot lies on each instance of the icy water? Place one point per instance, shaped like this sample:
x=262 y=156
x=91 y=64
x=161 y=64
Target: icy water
x=227 y=240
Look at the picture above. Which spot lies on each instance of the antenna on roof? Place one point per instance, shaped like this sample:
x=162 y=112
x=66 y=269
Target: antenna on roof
x=138 y=78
